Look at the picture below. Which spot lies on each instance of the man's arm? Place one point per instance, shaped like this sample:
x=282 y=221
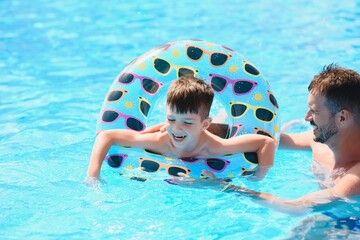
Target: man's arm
x=302 y=140
x=298 y=206
x=347 y=186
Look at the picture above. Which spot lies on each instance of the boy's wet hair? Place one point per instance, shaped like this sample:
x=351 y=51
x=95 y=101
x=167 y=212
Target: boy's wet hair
x=340 y=87
x=189 y=94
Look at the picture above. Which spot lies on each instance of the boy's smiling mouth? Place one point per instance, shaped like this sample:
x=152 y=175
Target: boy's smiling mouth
x=179 y=138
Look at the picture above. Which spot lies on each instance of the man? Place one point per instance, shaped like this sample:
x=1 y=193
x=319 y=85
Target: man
x=334 y=113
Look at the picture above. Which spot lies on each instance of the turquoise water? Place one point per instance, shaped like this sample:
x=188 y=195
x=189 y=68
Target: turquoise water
x=57 y=61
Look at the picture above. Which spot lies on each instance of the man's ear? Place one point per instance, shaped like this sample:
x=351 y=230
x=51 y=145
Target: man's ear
x=206 y=123
x=343 y=118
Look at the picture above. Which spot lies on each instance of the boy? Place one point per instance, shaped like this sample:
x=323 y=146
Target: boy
x=188 y=105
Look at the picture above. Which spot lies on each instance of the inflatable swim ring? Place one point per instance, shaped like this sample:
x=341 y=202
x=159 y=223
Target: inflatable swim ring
x=243 y=103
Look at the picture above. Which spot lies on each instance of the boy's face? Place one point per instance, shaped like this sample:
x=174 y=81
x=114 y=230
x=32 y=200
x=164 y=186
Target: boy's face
x=185 y=129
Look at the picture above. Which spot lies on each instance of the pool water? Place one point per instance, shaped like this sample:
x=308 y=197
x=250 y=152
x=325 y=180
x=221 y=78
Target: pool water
x=57 y=62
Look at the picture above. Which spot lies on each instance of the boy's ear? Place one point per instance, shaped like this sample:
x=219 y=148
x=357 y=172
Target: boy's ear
x=206 y=123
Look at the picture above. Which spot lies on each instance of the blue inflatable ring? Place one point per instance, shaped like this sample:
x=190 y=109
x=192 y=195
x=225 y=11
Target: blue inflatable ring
x=243 y=103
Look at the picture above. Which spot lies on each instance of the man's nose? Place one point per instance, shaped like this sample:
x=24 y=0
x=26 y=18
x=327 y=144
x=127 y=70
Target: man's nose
x=308 y=116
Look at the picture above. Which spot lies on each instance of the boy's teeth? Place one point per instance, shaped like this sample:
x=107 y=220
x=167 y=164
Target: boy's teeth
x=178 y=137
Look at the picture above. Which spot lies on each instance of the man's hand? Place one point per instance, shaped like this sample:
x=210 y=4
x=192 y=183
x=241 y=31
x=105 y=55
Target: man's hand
x=208 y=180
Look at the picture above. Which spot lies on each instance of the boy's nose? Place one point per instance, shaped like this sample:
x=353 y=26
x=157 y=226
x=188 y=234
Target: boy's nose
x=176 y=127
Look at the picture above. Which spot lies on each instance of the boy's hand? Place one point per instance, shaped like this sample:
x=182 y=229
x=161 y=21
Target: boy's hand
x=93 y=182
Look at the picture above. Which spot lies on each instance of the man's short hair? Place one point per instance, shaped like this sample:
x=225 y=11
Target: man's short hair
x=340 y=87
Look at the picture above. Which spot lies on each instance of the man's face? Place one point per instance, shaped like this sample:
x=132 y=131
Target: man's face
x=320 y=118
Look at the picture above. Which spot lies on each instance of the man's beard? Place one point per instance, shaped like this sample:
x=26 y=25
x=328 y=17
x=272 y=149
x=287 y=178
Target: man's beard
x=325 y=132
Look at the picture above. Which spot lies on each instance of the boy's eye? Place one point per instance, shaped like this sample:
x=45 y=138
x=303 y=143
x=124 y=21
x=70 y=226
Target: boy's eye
x=188 y=123
x=171 y=120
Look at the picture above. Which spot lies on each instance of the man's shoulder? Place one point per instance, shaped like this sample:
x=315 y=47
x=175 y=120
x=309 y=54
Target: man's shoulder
x=316 y=146
x=349 y=184
x=322 y=153
x=356 y=168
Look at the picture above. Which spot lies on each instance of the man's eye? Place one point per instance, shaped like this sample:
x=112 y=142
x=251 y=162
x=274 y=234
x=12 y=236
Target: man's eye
x=313 y=111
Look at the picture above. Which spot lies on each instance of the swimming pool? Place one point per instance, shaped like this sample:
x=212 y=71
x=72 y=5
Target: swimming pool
x=57 y=61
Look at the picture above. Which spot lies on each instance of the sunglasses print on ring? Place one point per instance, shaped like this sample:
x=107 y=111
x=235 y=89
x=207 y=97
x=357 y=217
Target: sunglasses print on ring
x=215 y=164
x=251 y=157
x=116 y=95
x=149 y=85
x=238 y=109
x=216 y=58
x=264 y=132
x=239 y=86
x=233 y=131
x=163 y=67
x=250 y=69
x=150 y=165
x=144 y=106
x=272 y=99
x=110 y=116
x=115 y=160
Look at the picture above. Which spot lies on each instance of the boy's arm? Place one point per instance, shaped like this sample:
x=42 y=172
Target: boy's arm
x=160 y=127
x=302 y=140
x=263 y=146
x=105 y=139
